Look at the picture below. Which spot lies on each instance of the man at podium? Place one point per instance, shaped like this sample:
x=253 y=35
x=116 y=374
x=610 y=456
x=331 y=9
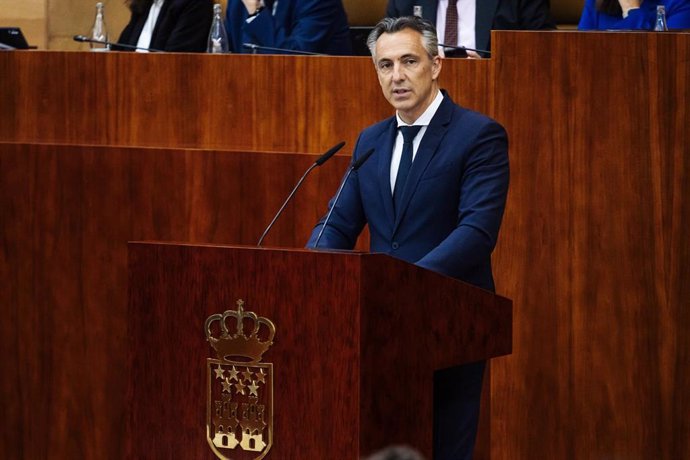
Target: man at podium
x=432 y=193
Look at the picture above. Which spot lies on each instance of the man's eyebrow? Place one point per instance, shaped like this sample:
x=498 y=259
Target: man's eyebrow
x=404 y=56
x=409 y=55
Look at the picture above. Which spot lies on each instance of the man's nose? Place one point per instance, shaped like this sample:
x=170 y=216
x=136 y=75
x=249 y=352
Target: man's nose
x=398 y=73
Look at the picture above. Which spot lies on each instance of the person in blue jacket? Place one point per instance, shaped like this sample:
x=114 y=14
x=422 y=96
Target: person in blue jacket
x=633 y=14
x=432 y=194
x=318 y=26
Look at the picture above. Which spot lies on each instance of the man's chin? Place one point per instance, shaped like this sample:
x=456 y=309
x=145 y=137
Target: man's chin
x=400 y=105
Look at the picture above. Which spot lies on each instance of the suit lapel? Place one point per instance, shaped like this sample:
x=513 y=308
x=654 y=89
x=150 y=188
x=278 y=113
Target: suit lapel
x=385 y=147
x=484 y=21
x=428 y=148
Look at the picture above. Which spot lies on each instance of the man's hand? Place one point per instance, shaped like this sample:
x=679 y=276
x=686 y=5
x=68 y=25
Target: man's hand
x=252 y=5
x=473 y=54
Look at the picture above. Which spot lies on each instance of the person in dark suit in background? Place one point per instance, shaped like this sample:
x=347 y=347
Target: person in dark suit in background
x=318 y=26
x=476 y=18
x=432 y=193
x=168 y=25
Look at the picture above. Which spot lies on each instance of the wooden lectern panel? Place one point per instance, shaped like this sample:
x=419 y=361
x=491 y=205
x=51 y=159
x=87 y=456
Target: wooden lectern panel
x=353 y=359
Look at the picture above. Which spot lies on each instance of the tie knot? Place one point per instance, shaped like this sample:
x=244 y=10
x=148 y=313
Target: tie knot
x=409 y=133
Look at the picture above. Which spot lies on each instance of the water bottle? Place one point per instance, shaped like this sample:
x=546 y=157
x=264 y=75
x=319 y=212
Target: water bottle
x=660 y=25
x=99 y=31
x=217 y=37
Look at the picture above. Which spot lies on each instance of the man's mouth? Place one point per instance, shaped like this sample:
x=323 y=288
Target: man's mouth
x=400 y=91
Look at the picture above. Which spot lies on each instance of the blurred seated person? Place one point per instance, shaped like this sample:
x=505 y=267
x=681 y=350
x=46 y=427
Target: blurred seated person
x=633 y=14
x=168 y=25
x=472 y=20
x=318 y=26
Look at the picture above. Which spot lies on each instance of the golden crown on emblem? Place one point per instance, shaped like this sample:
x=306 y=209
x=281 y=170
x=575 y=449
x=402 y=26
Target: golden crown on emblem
x=238 y=344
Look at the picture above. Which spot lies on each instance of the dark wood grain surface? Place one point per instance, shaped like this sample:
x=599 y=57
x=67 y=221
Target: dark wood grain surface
x=262 y=103
x=352 y=372
x=67 y=213
x=593 y=249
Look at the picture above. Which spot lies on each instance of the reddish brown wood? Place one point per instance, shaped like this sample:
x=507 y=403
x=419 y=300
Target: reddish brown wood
x=239 y=102
x=353 y=359
x=594 y=247
x=67 y=213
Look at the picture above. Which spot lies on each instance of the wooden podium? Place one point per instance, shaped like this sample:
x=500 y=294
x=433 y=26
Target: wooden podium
x=358 y=337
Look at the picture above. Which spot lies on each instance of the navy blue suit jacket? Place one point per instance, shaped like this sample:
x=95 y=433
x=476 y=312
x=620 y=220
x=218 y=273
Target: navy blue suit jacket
x=452 y=204
x=319 y=26
x=490 y=14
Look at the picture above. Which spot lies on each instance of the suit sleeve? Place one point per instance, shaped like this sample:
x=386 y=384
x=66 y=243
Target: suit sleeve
x=347 y=219
x=314 y=26
x=192 y=27
x=483 y=192
x=536 y=15
x=588 y=18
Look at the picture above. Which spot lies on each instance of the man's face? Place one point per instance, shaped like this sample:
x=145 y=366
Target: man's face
x=408 y=76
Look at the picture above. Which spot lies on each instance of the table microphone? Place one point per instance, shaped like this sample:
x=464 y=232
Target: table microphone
x=255 y=48
x=463 y=50
x=319 y=161
x=355 y=166
x=83 y=38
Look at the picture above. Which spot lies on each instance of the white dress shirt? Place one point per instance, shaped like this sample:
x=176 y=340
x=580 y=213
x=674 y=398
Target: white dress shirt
x=422 y=121
x=467 y=14
x=147 y=31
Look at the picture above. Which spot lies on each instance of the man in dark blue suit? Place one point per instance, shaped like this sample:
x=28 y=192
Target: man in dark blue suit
x=433 y=194
x=488 y=15
x=318 y=26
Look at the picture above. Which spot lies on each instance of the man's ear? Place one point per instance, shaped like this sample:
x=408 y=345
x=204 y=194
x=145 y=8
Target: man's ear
x=436 y=65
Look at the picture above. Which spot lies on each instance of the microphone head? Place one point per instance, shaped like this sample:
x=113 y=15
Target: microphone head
x=362 y=159
x=80 y=38
x=326 y=156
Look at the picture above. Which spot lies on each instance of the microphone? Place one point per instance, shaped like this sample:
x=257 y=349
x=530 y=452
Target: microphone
x=355 y=166
x=255 y=48
x=319 y=161
x=83 y=38
x=462 y=50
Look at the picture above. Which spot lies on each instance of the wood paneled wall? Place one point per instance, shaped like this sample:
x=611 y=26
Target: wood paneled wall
x=98 y=149
x=594 y=248
x=252 y=103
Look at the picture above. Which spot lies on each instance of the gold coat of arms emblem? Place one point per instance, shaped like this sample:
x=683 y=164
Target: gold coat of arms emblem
x=239 y=419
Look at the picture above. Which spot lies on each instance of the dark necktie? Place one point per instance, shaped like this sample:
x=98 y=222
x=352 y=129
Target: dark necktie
x=409 y=133
x=450 y=37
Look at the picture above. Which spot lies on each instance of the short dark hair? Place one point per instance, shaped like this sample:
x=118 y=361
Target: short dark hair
x=392 y=25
